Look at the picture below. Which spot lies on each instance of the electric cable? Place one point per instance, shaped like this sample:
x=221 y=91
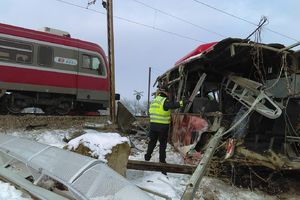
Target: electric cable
x=134 y=22
x=180 y=19
x=242 y=19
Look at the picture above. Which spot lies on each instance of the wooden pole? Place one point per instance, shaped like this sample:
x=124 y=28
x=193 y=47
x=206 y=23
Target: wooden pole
x=110 y=35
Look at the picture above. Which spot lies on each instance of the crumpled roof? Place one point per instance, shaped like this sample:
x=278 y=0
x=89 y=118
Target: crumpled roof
x=203 y=48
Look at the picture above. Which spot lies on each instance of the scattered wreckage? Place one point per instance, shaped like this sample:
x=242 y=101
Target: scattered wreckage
x=251 y=89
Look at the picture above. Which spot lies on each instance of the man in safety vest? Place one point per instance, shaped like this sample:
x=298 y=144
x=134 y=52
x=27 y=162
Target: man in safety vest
x=160 y=117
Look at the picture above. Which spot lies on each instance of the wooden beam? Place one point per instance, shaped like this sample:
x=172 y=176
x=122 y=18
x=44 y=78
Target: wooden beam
x=160 y=167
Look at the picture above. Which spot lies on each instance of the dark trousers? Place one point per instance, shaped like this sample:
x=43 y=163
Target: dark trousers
x=160 y=134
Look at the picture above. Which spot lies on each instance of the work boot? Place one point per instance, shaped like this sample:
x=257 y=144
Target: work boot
x=163 y=161
x=147 y=157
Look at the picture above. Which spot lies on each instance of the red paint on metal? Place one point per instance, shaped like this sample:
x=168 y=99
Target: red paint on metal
x=47 y=37
x=204 y=48
x=93 y=83
x=53 y=79
x=230 y=148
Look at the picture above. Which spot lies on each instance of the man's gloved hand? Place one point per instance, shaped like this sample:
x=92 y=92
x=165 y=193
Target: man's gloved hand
x=184 y=102
x=181 y=103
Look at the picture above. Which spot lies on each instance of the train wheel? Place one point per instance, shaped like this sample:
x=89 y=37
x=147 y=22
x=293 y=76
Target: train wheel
x=12 y=106
x=3 y=109
x=63 y=108
x=48 y=110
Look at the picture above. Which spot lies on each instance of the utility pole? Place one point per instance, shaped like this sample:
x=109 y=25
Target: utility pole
x=149 y=82
x=111 y=58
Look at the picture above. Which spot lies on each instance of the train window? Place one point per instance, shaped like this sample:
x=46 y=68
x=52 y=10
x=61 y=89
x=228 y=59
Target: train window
x=15 y=51
x=86 y=61
x=45 y=55
x=93 y=63
x=97 y=65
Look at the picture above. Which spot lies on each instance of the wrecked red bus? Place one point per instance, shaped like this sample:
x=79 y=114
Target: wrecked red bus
x=251 y=89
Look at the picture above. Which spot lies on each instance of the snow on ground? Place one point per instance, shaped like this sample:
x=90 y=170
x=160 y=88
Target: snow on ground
x=9 y=192
x=171 y=185
x=50 y=137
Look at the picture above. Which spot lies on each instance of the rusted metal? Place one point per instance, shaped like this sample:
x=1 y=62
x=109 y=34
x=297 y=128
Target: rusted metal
x=160 y=167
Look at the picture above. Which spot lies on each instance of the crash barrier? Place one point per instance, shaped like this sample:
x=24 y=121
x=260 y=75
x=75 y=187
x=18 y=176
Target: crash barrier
x=84 y=177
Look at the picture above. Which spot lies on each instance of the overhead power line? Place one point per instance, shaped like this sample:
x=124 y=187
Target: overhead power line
x=242 y=19
x=134 y=22
x=180 y=19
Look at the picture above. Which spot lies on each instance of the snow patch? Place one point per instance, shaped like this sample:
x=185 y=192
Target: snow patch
x=99 y=143
x=52 y=138
x=7 y=191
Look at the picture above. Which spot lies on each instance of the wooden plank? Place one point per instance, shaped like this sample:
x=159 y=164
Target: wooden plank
x=160 y=167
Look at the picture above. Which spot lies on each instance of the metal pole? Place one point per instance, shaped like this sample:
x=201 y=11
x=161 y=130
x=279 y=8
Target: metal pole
x=111 y=59
x=198 y=174
x=149 y=82
x=289 y=47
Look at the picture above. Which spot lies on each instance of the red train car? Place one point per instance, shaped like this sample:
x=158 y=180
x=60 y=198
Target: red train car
x=51 y=70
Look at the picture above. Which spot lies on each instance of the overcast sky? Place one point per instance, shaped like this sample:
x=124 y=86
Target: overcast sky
x=145 y=37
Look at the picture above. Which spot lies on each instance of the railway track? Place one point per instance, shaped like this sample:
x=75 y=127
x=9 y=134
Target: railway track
x=29 y=121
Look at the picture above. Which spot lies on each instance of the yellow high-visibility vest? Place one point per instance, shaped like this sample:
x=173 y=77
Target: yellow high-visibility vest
x=157 y=112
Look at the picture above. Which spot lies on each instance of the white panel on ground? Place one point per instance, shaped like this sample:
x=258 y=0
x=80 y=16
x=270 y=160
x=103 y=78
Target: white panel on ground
x=85 y=177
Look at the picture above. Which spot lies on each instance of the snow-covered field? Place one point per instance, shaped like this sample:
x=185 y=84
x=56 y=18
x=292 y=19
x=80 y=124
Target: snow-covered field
x=171 y=185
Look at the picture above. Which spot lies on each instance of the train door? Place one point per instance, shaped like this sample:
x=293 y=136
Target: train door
x=92 y=81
